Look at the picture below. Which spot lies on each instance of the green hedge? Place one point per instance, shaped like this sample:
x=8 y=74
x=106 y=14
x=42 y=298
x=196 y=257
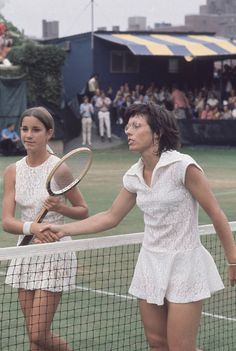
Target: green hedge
x=11 y=72
x=42 y=66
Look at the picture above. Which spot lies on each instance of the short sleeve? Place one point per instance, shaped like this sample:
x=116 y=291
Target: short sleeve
x=183 y=166
x=128 y=183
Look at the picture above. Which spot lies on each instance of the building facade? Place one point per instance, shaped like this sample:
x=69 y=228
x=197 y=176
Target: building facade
x=50 y=29
x=138 y=58
x=137 y=23
x=218 y=16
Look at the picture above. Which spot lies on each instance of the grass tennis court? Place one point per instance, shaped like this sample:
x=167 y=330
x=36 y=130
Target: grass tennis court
x=104 y=180
x=98 y=314
x=99 y=188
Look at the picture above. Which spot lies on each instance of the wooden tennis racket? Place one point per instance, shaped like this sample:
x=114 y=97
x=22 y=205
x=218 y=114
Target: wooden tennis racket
x=65 y=175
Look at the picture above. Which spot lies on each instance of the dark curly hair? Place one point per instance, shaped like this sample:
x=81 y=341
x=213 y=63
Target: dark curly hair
x=161 y=121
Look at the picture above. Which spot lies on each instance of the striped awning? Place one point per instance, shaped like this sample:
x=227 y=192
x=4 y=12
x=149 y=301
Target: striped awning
x=188 y=46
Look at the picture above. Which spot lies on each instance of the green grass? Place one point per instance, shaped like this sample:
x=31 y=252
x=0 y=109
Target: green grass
x=104 y=181
x=99 y=316
x=83 y=327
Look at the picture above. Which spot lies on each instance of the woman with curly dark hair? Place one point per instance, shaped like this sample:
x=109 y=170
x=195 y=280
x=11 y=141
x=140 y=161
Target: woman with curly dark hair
x=174 y=272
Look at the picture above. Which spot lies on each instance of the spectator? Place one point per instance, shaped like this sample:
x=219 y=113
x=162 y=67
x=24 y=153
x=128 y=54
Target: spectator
x=126 y=91
x=180 y=102
x=86 y=112
x=10 y=140
x=199 y=104
x=163 y=95
x=212 y=101
x=139 y=100
x=128 y=101
x=227 y=113
x=207 y=113
x=232 y=99
x=93 y=102
x=216 y=113
x=118 y=105
x=234 y=110
x=92 y=85
x=103 y=104
x=110 y=93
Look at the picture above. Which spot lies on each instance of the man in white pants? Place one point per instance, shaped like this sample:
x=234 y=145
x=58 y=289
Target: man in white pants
x=103 y=105
x=86 y=112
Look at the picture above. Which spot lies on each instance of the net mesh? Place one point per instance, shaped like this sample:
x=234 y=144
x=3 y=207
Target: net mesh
x=96 y=312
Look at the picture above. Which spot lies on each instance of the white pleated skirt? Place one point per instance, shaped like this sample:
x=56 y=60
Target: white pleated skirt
x=51 y=272
x=179 y=277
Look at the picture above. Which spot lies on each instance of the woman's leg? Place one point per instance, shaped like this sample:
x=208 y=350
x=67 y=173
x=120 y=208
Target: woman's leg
x=26 y=299
x=42 y=312
x=154 y=319
x=171 y=327
x=182 y=325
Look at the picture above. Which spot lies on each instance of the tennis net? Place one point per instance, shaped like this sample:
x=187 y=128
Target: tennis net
x=96 y=312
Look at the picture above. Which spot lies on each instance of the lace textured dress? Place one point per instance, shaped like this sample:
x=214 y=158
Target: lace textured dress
x=54 y=272
x=172 y=263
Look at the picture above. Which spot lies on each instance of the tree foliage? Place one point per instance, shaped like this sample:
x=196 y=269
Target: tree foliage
x=18 y=36
x=42 y=65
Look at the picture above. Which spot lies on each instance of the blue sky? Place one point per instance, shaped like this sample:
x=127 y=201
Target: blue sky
x=75 y=15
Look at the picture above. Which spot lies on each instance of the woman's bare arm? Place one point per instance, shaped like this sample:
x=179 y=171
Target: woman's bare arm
x=102 y=221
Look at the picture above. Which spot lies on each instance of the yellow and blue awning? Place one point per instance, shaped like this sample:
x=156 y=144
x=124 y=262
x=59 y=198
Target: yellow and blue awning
x=188 y=46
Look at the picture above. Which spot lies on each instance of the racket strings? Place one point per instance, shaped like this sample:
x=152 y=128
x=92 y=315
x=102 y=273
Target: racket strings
x=66 y=174
x=69 y=172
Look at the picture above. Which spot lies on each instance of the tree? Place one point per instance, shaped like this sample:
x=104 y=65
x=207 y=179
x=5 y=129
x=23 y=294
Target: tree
x=42 y=65
x=15 y=33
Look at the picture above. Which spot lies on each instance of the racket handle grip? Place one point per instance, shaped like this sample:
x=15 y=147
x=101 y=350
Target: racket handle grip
x=41 y=215
x=28 y=238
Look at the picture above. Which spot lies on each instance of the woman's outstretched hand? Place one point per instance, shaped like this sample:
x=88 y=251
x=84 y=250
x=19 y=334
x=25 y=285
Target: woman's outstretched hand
x=55 y=229
x=41 y=235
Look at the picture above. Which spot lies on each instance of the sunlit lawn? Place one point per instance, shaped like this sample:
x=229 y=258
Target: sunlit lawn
x=104 y=180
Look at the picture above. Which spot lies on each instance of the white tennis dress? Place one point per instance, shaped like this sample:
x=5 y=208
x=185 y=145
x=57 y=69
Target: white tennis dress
x=54 y=272
x=172 y=263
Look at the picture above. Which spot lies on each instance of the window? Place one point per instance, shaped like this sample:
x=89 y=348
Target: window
x=124 y=62
x=173 y=65
x=116 y=62
x=131 y=63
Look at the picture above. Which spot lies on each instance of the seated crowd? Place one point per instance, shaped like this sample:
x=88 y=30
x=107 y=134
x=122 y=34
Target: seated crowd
x=10 y=144
x=199 y=103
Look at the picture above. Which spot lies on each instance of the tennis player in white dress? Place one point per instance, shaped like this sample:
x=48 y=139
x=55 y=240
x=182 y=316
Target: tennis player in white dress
x=174 y=272
x=40 y=279
x=53 y=272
